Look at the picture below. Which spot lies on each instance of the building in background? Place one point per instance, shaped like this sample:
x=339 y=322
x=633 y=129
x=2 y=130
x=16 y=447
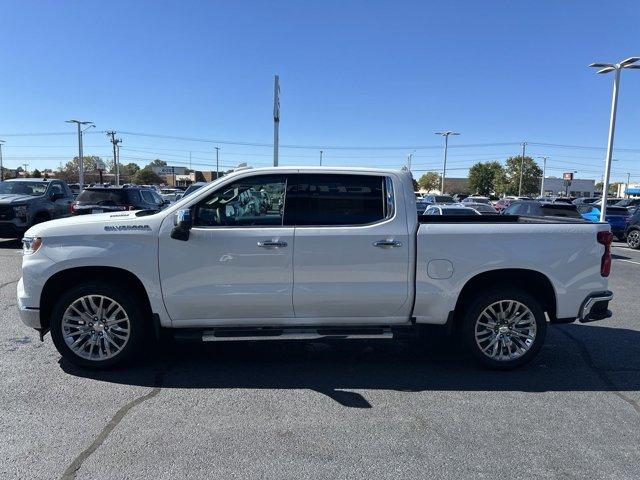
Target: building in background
x=577 y=187
x=631 y=190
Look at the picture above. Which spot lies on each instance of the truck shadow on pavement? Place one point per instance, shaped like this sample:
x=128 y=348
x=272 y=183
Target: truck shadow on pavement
x=575 y=358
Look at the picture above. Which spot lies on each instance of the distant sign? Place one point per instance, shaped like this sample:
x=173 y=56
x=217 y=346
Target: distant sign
x=100 y=165
x=170 y=170
x=568 y=176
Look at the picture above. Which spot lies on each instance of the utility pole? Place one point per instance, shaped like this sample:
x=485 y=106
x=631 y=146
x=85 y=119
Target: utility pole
x=524 y=146
x=117 y=165
x=626 y=190
x=1 y=165
x=606 y=68
x=80 y=156
x=320 y=157
x=409 y=160
x=217 y=163
x=276 y=119
x=446 y=147
x=115 y=141
x=25 y=165
x=544 y=172
x=189 y=160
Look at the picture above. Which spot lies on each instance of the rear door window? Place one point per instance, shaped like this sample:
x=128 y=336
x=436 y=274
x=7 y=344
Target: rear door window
x=342 y=200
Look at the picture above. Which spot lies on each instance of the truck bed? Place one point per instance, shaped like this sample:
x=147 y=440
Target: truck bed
x=505 y=219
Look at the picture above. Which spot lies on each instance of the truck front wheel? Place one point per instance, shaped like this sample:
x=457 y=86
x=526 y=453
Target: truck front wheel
x=504 y=328
x=97 y=325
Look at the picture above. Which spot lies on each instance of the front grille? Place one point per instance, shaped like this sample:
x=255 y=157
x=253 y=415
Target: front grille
x=6 y=212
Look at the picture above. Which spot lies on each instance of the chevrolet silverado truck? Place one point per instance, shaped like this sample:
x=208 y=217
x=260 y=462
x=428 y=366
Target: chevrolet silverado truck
x=308 y=253
x=27 y=201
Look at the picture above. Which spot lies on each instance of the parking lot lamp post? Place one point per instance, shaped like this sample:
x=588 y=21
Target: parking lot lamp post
x=321 y=157
x=80 y=157
x=524 y=146
x=217 y=164
x=544 y=172
x=626 y=190
x=444 y=163
x=616 y=68
x=1 y=165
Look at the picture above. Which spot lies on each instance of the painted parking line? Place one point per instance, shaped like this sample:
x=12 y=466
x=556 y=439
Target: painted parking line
x=628 y=261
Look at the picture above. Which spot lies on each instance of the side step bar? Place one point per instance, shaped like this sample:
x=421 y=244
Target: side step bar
x=293 y=333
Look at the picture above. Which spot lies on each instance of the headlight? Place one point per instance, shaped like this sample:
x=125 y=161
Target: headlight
x=20 y=210
x=31 y=245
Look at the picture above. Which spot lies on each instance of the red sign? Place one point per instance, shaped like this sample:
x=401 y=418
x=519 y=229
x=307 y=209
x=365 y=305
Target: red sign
x=567 y=176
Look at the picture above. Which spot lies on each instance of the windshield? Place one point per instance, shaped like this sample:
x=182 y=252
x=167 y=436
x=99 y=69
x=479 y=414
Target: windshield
x=191 y=189
x=103 y=197
x=443 y=199
x=23 y=188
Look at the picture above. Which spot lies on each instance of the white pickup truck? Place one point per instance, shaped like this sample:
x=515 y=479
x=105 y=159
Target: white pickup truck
x=308 y=253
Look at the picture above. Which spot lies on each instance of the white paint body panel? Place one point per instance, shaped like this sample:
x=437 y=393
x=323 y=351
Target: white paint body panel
x=325 y=275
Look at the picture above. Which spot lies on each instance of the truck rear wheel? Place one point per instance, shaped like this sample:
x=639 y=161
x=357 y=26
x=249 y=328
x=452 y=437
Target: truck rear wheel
x=97 y=325
x=504 y=328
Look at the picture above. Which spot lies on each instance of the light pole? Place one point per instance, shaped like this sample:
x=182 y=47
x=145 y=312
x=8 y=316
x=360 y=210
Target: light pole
x=321 y=157
x=446 y=147
x=524 y=146
x=1 y=166
x=80 y=157
x=626 y=190
x=544 y=172
x=409 y=160
x=217 y=164
x=616 y=68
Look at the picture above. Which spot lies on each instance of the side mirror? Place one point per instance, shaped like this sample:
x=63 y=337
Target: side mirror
x=183 y=224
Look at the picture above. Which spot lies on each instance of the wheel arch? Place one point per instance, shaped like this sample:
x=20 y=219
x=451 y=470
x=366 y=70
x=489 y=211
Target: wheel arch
x=531 y=281
x=64 y=279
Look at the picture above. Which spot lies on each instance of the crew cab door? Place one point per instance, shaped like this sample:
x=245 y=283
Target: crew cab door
x=351 y=261
x=236 y=267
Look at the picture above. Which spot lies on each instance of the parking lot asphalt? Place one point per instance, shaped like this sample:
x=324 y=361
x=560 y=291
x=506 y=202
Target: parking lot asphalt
x=385 y=409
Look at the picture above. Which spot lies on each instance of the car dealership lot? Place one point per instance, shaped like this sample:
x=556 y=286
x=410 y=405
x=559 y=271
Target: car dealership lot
x=353 y=409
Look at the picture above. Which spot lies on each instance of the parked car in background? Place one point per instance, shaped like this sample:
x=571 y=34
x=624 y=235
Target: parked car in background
x=421 y=205
x=533 y=208
x=24 y=202
x=458 y=197
x=616 y=217
x=632 y=231
x=76 y=188
x=556 y=199
x=482 y=208
x=585 y=200
x=454 y=209
x=169 y=194
x=476 y=199
x=115 y=199
x=442 y=199
x=629 y=203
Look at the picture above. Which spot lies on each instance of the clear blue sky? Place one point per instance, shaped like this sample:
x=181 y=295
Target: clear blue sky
x=367 y=74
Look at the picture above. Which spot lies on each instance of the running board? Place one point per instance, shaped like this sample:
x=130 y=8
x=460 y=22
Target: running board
x=226 y=334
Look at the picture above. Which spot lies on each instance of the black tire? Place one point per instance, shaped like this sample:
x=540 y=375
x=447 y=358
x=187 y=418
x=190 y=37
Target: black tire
x=482 y=301
x=138 y=324
x=633 y=239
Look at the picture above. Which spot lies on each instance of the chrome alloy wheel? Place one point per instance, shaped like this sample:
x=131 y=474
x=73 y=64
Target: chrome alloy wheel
x=633 y=239
x=95 y=327
x=505 y=330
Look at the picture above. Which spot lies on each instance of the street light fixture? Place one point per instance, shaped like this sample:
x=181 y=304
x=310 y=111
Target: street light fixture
x=446 y=146
x=80 y=157
x=606 y=68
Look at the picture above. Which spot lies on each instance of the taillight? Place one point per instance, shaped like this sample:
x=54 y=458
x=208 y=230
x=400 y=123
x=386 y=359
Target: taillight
x=72 y=207
x=605 y=238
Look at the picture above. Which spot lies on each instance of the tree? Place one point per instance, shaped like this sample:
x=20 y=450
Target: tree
x=36 y=173
x=147 y=176
x=430 y=181
x=486 y=178
x=71 y=169
x=129 y=170
x=531 y=175
x=157 y=163
x=416 y=187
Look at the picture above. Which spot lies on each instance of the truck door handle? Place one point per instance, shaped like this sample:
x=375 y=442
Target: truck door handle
x=387 y=243
x=271 y=244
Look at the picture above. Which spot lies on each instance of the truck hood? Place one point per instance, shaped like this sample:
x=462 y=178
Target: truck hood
x=95 y=224
x=11 y=198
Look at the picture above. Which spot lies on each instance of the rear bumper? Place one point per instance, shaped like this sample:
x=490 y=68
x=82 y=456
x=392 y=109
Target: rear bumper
x=595 y=307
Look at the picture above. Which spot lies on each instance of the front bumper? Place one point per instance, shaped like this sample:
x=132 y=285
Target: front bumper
x=12 y=229
x=30 y=316
x=595 y=307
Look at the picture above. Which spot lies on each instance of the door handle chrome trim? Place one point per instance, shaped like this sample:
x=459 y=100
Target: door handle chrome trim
x=271 y=243
x=387 y=243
